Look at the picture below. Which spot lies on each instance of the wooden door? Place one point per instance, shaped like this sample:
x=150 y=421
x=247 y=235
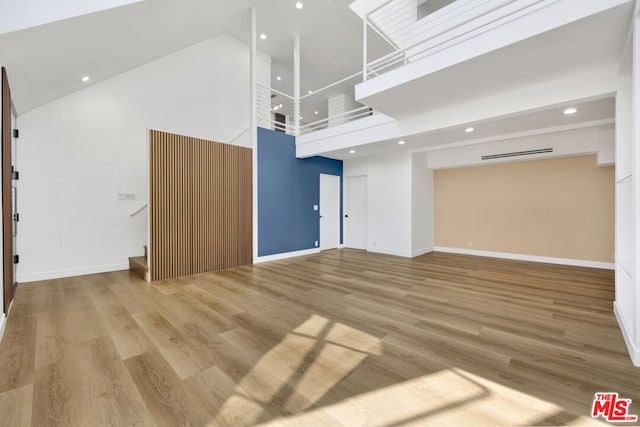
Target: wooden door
x=7 y=210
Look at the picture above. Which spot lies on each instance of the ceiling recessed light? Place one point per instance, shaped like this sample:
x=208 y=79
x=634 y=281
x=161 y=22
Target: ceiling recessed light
x=85 y=79
x=469 y=130
x=263 y=36
x=300 y=117
x=278 y=78
x=315 y=112
x=299 y=5
x=310 y=92
x=401 y=142
x=280 y=105
x=570 y=110
x=352 y=151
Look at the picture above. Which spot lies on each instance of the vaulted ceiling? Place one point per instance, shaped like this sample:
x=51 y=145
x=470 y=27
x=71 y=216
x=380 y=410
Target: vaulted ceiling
x=47 y=61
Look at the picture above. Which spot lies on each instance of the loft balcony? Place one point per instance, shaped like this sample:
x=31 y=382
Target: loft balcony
x=454 y=51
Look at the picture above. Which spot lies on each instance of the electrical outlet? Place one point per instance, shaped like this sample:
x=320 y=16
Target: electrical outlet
x=126 y=196
x=315 y=208
x=316 y=243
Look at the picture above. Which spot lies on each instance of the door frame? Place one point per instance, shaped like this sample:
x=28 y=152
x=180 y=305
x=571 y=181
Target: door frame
x=7 y=199
x=366 y=213
x=339 y=213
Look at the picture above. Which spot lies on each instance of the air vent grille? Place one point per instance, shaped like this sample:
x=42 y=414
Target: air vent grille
x=517 y=153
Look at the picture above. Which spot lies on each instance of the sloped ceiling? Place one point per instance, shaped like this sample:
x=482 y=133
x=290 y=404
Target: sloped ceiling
x=48 y=61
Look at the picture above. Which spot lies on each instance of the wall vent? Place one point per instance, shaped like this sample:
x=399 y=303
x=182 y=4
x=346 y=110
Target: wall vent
x=517 y=153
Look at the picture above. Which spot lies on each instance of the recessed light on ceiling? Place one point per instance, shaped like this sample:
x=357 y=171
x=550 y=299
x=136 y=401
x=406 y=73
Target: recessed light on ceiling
x=570 y=110
x=401 y=142
x=310 y=92
x=315 y=112
x=263 y=36
x=299 y=5
x=300 y=117
x=352 y=151
x=278 y=78
x=469 y=130
x=85 y=79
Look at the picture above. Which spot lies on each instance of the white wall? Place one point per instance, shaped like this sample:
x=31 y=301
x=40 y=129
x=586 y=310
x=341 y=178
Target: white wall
x=388 y=201
x=627 y=303
x=2 y=315
x=421 y=205
x=78 y=152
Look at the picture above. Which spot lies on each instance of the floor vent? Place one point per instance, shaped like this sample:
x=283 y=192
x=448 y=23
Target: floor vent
x=517 y=153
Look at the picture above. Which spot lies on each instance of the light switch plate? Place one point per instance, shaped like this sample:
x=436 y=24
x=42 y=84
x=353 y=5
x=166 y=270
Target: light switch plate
x=315 y=207
x=126 y=196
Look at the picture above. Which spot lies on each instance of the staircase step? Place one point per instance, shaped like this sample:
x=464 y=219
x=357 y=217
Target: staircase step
x=139 y=266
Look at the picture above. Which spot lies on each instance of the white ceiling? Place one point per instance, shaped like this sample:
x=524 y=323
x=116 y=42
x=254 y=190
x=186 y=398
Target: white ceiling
x=48 y=61
x=600 y=111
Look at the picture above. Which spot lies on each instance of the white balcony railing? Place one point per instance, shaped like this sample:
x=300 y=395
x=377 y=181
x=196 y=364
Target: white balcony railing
x=318 y=109
x=416 y=29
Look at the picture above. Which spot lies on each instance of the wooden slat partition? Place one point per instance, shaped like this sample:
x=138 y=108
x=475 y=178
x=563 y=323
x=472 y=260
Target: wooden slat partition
x=200 y=205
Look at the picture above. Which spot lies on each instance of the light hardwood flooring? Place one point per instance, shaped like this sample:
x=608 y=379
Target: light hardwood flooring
x=340 y=338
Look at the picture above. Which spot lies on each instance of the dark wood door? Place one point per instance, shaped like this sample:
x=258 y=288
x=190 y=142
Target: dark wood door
x=7 y=211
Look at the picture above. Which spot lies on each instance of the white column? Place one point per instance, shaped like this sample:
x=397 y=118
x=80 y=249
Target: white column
x=365 y=29
x=296 y=85
x=254 y=126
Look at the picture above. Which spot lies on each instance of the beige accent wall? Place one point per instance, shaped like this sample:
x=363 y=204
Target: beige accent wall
x=562 y=207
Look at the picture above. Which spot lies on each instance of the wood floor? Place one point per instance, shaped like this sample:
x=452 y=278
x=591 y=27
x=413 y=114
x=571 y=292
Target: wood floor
x=340 y=338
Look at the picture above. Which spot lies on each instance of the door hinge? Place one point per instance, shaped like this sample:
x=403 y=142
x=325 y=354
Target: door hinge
x=16 y=217
x=16 y=259
x=15 y=175
x=16 y=133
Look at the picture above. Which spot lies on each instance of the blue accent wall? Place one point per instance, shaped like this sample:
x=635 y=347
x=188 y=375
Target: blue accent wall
x=288 y=188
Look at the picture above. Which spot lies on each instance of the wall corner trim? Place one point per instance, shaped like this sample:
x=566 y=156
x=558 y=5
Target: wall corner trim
x=634 y=351
x=3 y=323
x=58 y=274
x=531 y=258
x=422 y=251
x=285 y=255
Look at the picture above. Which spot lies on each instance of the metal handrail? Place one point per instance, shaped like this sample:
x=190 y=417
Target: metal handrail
x=329 y=86
x=392 y=58
x=276 y=91
x=137 y=211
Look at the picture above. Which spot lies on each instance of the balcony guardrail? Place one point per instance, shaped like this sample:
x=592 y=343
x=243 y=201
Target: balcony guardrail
x=328 y=106
x=415 y=37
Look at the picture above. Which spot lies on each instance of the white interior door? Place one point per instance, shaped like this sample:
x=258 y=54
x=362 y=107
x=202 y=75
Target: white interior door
x=329 y=211
x=355 y=212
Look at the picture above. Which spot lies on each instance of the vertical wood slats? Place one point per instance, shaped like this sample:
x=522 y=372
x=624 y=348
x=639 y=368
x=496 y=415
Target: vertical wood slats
x=7 y=209
x=200 y=205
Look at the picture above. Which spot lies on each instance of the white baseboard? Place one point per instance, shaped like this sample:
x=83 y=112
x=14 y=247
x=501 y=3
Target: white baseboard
x=533 y=258
x=422 y=251
x=394 y=252
x=285 y=255
x=634 y=351
x=58 y=274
